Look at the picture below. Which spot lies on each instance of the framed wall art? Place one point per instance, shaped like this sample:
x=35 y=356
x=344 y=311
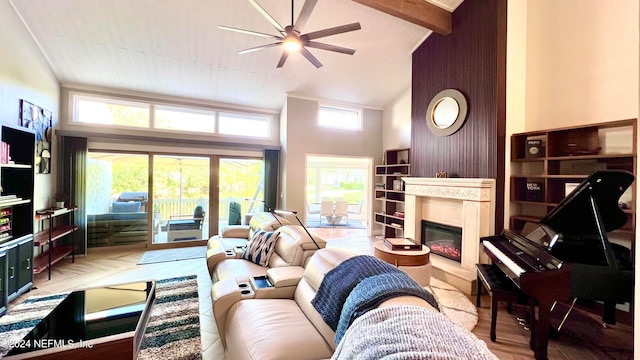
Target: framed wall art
x=40 y=120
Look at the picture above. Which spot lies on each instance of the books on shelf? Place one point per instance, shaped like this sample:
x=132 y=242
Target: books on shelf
x=4 y=153
x=401 y=244
x=4 y=199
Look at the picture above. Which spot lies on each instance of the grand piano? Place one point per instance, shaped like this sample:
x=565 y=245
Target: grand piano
x=567 y=255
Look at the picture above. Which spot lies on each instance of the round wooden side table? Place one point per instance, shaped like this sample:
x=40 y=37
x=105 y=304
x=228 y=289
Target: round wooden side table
x=413 y=262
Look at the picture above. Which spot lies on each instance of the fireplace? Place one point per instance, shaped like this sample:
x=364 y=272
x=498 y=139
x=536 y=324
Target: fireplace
x=443 y=240
x=468 y=204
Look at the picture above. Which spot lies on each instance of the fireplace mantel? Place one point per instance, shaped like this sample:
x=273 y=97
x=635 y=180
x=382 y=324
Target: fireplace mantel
x=462 y=202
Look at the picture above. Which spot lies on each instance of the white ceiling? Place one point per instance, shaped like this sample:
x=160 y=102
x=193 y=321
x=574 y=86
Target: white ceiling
x=174 y=48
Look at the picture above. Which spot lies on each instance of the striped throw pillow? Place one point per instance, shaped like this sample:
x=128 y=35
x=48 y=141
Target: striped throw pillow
x=260 y=247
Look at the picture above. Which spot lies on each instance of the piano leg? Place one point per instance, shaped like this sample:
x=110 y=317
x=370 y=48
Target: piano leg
x=609 y=313
x=541 y=329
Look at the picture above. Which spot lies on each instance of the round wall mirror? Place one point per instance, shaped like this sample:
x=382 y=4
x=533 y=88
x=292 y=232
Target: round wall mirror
x=447 y=112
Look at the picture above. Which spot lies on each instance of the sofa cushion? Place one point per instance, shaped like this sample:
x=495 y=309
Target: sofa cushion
x=263 y=329
x=295 y=246
x=260 y=248
x=266 y=221
x=238 y=269
x=122 y=207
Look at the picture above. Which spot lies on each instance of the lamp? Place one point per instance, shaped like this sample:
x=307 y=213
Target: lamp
x=292 y=43
x=267 y=206
x=295 y=213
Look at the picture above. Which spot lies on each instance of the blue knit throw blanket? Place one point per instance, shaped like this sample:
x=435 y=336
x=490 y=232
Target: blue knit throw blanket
x=374 y=290
x=338 y=302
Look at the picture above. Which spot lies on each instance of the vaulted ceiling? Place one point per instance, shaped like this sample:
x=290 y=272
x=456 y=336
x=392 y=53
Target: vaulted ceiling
x=175 y=48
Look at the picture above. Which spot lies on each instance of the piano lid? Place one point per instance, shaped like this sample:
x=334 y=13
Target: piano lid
x=574 y=216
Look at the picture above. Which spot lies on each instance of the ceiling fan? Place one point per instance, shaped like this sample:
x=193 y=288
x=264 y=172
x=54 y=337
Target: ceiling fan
x=291 y=38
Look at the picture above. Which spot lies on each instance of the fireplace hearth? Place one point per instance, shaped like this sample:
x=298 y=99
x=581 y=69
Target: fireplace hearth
x=443 y=240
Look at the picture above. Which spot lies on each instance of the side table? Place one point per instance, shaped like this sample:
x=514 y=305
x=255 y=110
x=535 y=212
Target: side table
x=413 y=262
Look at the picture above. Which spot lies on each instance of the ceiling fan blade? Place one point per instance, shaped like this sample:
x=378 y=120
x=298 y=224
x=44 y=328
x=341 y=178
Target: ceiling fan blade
x=305 y=13
x=331 y=31
x=328 y=47
x=283 y=58
x=266 y=15
x=249 y=32
x=310 y=57
x=258 y=48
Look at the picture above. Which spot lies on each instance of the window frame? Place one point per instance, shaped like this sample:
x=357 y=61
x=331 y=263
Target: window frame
x=108 y=100
x=334 y=106
x=76 y=96
x=269 y=123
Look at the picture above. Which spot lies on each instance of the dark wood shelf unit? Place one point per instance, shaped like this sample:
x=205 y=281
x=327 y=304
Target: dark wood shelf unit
x=568 y=156
x=16 y=211
x=44 y=261
x=391 y=173
x=56 y=226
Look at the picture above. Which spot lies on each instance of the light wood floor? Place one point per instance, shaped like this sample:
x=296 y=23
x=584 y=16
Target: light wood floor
x=582 y=337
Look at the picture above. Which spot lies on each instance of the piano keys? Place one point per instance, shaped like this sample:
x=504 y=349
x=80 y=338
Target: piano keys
x=568 y=255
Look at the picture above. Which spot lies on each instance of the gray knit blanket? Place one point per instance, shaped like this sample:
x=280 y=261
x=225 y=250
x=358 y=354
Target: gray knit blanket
x=358 y=285
x=406 y=332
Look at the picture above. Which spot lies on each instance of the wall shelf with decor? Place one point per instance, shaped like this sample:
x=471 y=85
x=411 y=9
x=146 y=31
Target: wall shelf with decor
x=17 y=160
x=57 y=235
x=547 y=165
x=390 y=191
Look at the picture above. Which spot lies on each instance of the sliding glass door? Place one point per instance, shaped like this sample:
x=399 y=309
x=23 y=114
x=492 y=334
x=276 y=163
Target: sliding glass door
x=117 y=199
x=165 y=199
x=240 y=189
x=180 y=198
x=337 y=189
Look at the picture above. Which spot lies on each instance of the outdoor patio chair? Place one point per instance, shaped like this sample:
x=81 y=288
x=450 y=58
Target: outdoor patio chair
x=186 y=227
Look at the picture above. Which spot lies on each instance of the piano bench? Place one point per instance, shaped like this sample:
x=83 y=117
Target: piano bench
x=500 y=288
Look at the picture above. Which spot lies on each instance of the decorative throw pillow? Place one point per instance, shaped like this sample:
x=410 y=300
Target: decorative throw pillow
x=260 y=248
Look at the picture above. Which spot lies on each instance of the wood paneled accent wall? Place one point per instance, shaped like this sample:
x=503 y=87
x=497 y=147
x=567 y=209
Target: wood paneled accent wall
x=472 y=59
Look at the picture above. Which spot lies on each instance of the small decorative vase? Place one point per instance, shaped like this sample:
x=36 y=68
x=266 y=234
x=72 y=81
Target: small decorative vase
x=59 y=204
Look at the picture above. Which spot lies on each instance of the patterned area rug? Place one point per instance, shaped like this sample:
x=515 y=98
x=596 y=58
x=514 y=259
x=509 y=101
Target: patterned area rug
x=454 y=304
x=173 y=331
x=158 y=256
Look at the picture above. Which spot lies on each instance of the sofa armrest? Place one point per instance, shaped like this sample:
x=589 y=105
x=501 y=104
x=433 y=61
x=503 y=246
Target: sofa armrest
x=285 y=275
x=235 y=231
x=224 y=294
x=215 y=253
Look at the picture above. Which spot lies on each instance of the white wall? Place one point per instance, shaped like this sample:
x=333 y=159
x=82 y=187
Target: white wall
x=25 y=74
x=516 y=86
x=303 y=136
x=582 y=62
x=396 y=125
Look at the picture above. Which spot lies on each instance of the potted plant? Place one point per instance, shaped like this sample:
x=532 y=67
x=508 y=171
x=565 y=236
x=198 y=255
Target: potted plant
x=60 y=200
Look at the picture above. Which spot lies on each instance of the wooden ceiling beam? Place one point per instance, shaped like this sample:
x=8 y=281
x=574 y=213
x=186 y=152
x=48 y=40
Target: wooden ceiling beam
x=418 y=12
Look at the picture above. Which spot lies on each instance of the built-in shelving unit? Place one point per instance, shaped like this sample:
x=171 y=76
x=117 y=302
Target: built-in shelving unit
x=56 y=226
x=17 y=173
x=546 y=165
x=390 y=191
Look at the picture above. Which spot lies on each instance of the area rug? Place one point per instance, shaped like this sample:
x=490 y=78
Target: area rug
x=158 y=256
x=454 y=304
x=173 y=331
x=353 y=224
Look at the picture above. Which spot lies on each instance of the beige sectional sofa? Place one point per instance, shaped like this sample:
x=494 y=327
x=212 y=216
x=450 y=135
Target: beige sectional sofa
x=278 y=320
x=233 y=238
x=293 y=248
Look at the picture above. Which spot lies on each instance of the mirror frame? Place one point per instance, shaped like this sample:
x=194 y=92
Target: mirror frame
x=460 y=118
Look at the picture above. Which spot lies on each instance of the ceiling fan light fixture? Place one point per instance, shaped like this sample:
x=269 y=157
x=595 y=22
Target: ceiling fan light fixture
x=292 y=43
